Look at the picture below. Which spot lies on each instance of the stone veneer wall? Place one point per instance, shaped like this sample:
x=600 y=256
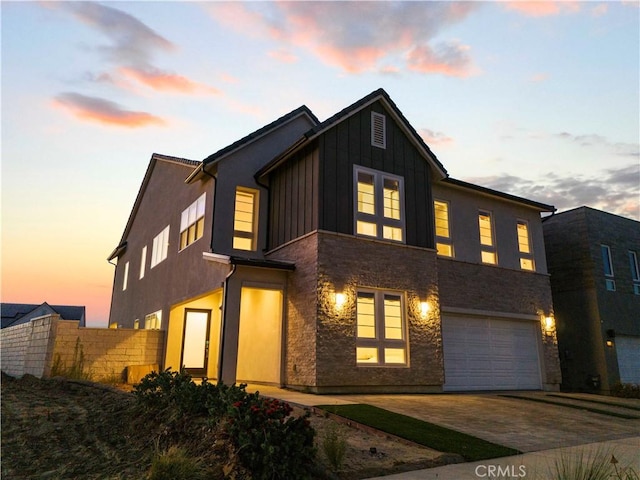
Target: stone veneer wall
x=494 y=289
x=32 y=348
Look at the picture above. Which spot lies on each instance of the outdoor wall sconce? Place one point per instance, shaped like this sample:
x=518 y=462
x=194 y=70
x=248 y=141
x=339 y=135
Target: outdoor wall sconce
x=609 y=343
x=548 y=323
x=424 y=309
x=340 y=300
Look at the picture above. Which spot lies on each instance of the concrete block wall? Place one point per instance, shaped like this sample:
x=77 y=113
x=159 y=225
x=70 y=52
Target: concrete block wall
x=25 y=348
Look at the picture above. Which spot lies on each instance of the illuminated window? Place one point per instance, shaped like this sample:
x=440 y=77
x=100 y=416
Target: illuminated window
x=143 y=261
x=126 y=276
x=487 y=244
x=192 y=222
x=245 y=219
x=443 y=235
x=153 y=321
x=380 y=321
x=378 y=130
x=379 y=205
x=160 y=247
x=136 y=324
x=524 y=246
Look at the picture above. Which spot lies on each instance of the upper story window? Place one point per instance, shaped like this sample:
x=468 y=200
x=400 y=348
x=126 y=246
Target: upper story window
x=378 y=130
x=245 y=219
x=192 y=222
x=143 y=261
x=607 y=266
x=635 y=272
x=443 y=232
x=126 y=276
x=160 y=247
x=379 y=204
x=487 y=242
x=380 y=334
x=524 y=246
x=153 y=321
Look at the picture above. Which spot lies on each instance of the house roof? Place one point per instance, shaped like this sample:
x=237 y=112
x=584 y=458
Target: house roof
x=13 y=312
x=543 y=207
x=244 y=141
x=377 y=95
x=121 y=247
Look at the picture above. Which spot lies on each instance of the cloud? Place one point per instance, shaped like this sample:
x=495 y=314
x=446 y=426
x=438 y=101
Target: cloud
x=599 y=10
x=542 y=8
x=615 y=190
x=431 y=137
x=359 y=36
x=594 y=140
x=539 y=78
x=104 y=111
x=283 y=56
x=165 y=81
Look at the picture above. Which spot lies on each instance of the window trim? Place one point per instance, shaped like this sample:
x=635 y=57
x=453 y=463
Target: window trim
x=378 y=218
x=440 y=239
x=609 y=261
x=156 y=318
x=200 y=207
x=525 y=255
x=380 y=342
x=253 y=235
x=143 y=262
x=159 y=252
x=125 y=279
x=491 y=249
x=633 y=265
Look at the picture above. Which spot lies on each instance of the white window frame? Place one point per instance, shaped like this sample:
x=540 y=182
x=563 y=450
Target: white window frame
x=143 y=262
x=192 y=219
x=380 y=343
x=525 y=255
x=444 y=244
x=160 y=247
x=490 y=249
x=153 y=321
x=243 y=234
x=125 y=280
x=378 y=218
x=378 y=130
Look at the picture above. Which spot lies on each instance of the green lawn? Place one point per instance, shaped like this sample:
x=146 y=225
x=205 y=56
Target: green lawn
x=424 y=433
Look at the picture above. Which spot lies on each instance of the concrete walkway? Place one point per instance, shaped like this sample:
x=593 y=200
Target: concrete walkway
x=525 y=421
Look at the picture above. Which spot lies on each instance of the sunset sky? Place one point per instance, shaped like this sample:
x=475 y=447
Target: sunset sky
x=538 y=99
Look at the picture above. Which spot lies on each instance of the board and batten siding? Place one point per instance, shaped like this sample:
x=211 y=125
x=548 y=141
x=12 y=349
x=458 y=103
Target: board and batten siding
x=314 y=189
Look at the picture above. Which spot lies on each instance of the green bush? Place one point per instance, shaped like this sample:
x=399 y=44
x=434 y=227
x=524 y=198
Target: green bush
x=175 y=464
x=270 y=443
x=626 y=390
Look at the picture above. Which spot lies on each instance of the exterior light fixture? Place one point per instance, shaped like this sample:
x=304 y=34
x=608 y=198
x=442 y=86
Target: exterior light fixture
x=548 y=323
x=340 y=300
x=424 y=309
x=609 y=343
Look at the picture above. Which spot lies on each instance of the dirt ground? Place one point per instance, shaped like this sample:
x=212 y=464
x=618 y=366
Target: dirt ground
x=62 y=429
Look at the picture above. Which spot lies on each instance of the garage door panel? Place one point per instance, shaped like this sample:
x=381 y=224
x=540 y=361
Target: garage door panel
x=490 y=354
x=628 y=352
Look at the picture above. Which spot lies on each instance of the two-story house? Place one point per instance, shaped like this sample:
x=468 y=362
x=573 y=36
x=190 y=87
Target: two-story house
x=595 y=281
x=338 y=256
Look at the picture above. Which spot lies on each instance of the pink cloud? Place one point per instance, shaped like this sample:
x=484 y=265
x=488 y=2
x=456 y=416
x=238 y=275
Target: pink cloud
x=599 y=10
x=543 y=8
x=539 y=77
x=283 y=56
x=165 y=81
x=103 y=111
x=447 y=59
x=431 y=137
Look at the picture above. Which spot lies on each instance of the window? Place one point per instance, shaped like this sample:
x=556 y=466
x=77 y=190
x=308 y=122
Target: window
x=192 y=222
x=160 y=247
x=379 y=204
x=136 y=324
x=380 y=329
x=143 y=261
x=443 y=236
x=126 y=276
x=524 y=246
x=378 y=130
x=245 y=219
x=607 y=266
x=487 y=244
x=635 y=273
x=153 y=321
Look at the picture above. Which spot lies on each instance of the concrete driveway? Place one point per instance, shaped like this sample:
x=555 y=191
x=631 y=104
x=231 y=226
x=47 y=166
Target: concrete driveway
x=520 y=423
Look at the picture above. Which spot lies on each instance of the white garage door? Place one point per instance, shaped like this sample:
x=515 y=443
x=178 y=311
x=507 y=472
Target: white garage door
x=490 y=354
x=628 y=350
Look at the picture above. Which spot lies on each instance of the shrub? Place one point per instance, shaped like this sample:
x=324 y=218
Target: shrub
x=598 y=464
x=175 y=464
x=626 y=390
x=270 y=443
x=167 y=389
x=334 y=446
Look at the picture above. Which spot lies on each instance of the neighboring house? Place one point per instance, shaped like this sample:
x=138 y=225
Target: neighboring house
x=18 y=313
x=595 y=280
x=338 y=256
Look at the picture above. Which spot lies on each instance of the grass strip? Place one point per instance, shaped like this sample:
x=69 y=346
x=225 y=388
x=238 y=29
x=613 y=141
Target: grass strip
x=433 y=436
x=576 y=407
x=601 y=402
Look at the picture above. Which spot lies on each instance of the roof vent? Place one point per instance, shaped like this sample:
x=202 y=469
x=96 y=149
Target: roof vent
x=378 y=130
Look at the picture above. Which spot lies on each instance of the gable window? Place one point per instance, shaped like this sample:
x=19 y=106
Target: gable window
x=379 y=204
x=378 y=130
x=635 y=272
x=245 y=219
x=443 y=233
x=192 y=222
x=143 y=261
x=524 y=246
x=487 y=243
x=380 y=328
x=126 y=276
x=160 y=247
x=153 y=321
x=607 y=268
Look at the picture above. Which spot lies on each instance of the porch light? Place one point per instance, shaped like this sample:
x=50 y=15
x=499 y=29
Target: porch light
x=424 y=309
x=340 y=300
x=548 y=323
x=609 y=343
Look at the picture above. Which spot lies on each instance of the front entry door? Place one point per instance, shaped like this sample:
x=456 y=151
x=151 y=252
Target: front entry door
x=195 y=343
